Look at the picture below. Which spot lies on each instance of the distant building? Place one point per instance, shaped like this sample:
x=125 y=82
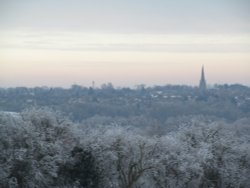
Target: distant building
x=203 y=85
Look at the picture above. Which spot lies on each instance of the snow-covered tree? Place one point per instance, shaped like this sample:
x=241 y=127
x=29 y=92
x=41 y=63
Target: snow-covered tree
x=40 y=148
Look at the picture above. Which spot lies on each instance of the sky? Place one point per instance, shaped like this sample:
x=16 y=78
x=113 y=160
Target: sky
x=126 y=42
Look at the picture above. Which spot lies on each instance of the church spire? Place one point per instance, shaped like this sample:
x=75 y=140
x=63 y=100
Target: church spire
x=203 y=85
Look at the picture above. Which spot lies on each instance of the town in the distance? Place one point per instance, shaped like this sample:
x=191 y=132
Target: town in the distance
x=228 y=101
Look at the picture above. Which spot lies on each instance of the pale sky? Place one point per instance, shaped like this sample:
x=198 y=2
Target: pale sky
x=126 y=42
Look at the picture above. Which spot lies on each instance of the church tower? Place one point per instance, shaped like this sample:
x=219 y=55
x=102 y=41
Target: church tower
x=203 y=85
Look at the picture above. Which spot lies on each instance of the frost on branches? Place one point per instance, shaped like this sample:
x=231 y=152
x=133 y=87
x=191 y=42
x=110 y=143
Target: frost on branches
x=40 y=148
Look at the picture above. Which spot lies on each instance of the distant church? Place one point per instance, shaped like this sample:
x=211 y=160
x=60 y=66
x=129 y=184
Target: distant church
x=203 y=85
